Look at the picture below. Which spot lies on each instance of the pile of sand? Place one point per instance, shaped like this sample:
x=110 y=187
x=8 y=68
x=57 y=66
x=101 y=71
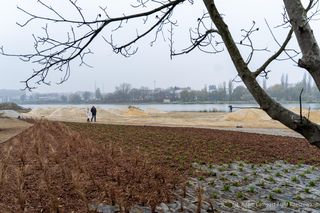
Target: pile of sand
x=154 y=111
x=68 y=112
x=313 y=115
x=39 y=112
x=14 y=107
x=61 y=113
x=133 y=111
x=80 y=114
x=247 y=115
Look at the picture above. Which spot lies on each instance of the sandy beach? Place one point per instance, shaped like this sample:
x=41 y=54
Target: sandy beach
x=246 y=120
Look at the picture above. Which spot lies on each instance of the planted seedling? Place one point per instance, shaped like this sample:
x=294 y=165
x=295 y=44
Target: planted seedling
x=260 y=204
x=236 y=184
x=226 y=188
x=307 y=190
x=278 y=174
x=302 y=175
x=298 y=197
x=308 y=171
x=312 y=184
x=233 y=174
x=228 y=204
x=201 y=178
x=261 y=184
x=288 y=204
x=295 y=179
x=214 y=195
x=278 y=191
x=270 y=197
x=211 y=183
x=251 y=189
x=271 y=179
x=239 y=195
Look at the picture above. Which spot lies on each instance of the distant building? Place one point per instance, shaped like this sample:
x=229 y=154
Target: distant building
x=177 y=91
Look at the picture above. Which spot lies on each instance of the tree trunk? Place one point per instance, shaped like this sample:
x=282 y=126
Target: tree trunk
x=308 y=44
x=308 y=129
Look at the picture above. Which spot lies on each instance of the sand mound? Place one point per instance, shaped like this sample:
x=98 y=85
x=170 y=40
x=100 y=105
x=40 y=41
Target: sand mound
x=69 y=113
x=9 y=113
x=61 y=113
x=40 y=112
x=80 y=114
x=132 y=111
x=153 y=111
x=247 y=115
x=313 y=115
x=15 y=107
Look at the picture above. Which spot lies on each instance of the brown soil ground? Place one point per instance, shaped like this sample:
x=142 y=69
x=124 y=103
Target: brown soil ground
x=53 y=166
x=180 y=146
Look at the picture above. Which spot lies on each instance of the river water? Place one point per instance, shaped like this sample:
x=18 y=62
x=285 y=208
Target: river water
x=177 y=107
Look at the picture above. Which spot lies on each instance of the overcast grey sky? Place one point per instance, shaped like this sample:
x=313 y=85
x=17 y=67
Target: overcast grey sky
x=149 y=64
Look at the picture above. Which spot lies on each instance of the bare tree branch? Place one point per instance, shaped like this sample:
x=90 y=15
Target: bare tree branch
x=275 y=55
x=202 y=37
x=54 y=54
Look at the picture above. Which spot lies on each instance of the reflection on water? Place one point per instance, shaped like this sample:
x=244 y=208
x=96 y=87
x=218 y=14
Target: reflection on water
x=177 y=107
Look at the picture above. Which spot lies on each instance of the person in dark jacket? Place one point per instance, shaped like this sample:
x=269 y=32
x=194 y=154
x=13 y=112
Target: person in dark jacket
x=93 y=113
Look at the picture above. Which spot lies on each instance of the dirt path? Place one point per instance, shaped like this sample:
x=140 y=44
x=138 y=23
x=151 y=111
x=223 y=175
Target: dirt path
x=9 y=127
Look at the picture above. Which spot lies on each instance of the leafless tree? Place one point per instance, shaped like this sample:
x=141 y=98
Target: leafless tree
x=211 y=35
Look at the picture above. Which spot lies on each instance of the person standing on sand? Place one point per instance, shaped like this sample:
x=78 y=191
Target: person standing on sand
x=88 y=114
x=93 y=113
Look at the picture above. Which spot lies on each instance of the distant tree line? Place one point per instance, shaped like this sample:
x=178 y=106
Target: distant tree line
x=225 y=92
